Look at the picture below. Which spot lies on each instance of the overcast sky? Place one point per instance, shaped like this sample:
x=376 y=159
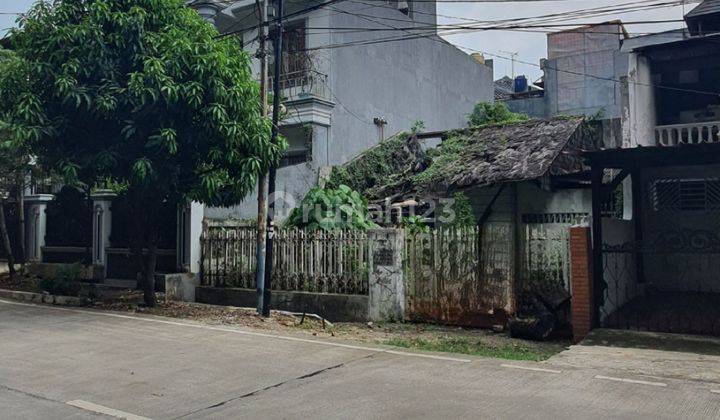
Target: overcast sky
x=531 y=47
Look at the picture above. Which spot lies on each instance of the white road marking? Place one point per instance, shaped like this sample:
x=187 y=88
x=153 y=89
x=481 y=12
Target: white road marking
x=715 y=391
x=248 y=333
x=630 y=381
x=96 y=408
x=531 y=368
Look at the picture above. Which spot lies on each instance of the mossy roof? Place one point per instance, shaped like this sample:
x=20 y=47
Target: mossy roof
x=513 y=152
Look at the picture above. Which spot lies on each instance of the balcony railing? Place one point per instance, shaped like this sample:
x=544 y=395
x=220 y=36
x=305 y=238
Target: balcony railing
x=695 y=133
x=302 y=85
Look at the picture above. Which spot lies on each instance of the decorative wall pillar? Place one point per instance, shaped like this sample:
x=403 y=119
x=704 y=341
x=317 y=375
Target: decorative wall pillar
x=102 y=225
x=386 y=282
x=35 y=225
x=189 y=228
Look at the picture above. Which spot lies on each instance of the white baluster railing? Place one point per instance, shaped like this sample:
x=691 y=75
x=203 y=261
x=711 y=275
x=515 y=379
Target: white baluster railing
x=695 y=133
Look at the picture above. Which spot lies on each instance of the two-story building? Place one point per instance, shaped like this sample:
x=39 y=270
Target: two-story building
x=659 y=270
x=354 y=73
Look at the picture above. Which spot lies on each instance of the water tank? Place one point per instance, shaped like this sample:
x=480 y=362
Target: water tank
x=521 y=84
x=478 y=57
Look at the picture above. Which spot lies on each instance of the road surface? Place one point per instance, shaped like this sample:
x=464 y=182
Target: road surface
x=65 y=363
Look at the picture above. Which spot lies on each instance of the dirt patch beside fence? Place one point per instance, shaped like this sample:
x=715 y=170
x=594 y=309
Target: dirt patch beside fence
x=19 y=283
x=422 y=337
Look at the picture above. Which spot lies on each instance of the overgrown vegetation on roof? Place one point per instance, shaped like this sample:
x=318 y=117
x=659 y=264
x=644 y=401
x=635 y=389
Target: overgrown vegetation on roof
x=505 y=147
x=381 y=169
x=486 y=113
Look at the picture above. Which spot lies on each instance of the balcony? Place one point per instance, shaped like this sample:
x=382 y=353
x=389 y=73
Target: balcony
x=300 y=85
x=694 y=133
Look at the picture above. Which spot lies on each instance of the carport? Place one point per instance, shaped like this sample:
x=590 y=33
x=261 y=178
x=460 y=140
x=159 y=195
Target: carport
x=658 y=265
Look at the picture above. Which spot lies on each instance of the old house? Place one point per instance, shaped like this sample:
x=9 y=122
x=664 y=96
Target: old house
x=526 y=183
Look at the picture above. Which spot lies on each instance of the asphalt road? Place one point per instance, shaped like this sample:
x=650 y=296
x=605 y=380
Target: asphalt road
x=61 y=363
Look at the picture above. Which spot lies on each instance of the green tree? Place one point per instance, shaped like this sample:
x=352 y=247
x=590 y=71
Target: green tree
x=18 y=126
x=145 y=95
x=493 y=113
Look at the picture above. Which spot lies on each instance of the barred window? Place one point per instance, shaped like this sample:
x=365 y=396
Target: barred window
x=686 y=194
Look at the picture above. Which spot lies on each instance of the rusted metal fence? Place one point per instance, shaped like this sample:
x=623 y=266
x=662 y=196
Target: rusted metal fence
x=460 y=276
x=319 y=262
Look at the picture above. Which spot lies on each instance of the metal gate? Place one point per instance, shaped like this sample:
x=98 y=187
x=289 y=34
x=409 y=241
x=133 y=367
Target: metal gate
x=668 y=280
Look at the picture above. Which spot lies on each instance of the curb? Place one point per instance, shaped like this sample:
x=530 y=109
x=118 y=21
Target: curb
x=43 y=298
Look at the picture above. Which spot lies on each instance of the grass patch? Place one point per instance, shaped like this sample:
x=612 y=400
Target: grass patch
x=475 y=347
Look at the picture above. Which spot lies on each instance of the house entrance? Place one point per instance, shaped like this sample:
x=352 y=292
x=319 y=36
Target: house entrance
x=657 y=266
x=664 y=275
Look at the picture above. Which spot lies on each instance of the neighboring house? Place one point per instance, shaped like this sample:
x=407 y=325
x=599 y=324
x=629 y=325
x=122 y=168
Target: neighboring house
x=347 y=89
x=508 y=88
x=582 y=76
x=659 y=270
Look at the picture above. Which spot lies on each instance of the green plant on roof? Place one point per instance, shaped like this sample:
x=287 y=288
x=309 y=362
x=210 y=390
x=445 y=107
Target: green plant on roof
x=373 y=167
x=332 y=209
x=443 y=156
x=486 y=113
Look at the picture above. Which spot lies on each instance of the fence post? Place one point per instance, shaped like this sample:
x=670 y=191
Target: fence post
x=102 y=226
x=581 y=282
x=386 y=281
x=36 y=225
x=189 y=229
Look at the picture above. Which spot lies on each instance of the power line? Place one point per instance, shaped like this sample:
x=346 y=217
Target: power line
x=437 y=39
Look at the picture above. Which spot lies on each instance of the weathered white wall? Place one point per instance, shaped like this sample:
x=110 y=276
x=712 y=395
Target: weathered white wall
x=533 y=199
x=639 y=117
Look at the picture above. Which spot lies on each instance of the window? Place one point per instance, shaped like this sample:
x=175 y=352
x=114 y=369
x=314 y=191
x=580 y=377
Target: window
x=296 y=61
x=686 y=194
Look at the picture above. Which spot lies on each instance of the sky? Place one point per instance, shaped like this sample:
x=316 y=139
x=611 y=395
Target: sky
x=530 y=46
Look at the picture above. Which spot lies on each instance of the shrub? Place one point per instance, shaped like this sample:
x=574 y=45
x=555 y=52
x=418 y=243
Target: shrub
x=332 y=209
x=493 y=113
x=65 y=283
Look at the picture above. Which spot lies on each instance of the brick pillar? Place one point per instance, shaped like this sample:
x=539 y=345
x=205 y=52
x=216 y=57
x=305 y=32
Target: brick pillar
x=581 y=285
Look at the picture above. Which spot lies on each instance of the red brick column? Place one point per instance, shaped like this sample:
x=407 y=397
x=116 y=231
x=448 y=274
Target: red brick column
x=581 y=284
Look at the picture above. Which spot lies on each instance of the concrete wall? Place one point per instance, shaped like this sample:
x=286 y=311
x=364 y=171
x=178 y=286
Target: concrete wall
x=336 y=308
x=532 y=107
x=406 y=81
x=421 y=79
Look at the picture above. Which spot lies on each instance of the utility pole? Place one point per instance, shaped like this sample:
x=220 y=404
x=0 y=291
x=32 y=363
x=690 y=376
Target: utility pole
x=271 y=177
x=262 y=181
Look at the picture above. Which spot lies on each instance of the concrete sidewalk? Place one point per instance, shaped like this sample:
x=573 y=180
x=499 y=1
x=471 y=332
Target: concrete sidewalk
x=164 y=368
x=645 y=353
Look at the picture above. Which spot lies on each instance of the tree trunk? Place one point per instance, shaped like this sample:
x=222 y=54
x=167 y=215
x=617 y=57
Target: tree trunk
x=149 y=275
x=5 y=238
